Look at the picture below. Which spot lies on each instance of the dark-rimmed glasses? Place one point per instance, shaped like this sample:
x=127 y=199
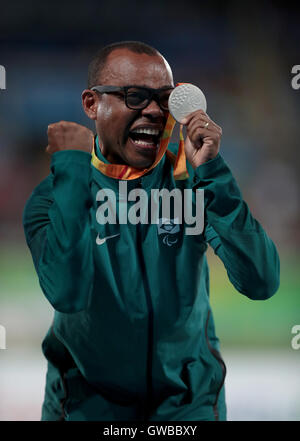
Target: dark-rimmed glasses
x=137 y=97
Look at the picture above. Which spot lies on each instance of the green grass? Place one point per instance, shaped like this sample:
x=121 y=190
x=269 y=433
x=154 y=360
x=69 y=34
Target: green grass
x=242 y=321
x=238 y=320
x=17 y=273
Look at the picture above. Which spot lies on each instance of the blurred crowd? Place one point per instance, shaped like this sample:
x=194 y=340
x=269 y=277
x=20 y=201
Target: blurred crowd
x=240 y=56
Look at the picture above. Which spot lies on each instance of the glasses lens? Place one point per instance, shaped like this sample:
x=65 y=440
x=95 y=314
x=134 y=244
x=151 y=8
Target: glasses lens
x=164 y=99
x=137 y=98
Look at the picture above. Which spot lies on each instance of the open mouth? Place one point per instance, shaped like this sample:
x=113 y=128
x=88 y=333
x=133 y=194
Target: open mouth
x=146 y=138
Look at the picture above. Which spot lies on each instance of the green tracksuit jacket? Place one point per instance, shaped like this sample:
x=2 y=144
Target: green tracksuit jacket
x=133 y=334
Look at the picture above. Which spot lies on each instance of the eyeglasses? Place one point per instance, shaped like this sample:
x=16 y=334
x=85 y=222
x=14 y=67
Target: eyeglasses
x=137 y=97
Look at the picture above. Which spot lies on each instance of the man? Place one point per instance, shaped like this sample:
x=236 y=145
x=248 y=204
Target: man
x=133 y=334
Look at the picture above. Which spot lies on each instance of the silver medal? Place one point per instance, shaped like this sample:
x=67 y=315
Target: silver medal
x=186 y=99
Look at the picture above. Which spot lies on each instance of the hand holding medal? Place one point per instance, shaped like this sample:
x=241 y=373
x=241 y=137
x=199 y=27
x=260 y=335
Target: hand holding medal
x=187 y=105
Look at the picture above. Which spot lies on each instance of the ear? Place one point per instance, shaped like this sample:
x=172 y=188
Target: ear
x=90 y=101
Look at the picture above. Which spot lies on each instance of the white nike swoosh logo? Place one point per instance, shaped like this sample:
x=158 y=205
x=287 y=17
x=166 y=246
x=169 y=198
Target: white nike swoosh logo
x=100 y=241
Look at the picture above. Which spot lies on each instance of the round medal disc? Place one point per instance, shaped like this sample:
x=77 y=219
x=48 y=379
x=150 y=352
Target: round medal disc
x=185 y=99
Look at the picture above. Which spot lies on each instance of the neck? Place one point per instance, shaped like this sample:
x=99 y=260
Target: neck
x=110 y=157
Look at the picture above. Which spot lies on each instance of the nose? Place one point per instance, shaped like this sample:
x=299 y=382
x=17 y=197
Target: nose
x=153 y=110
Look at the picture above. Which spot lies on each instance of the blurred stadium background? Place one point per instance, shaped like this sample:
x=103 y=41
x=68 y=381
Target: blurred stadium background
x=241 y=55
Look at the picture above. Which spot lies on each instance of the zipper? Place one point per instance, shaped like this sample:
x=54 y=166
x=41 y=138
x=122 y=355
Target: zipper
x=218 y=357
x=149 y=393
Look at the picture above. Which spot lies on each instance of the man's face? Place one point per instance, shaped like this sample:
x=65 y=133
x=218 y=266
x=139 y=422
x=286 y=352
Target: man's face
x=116 y=124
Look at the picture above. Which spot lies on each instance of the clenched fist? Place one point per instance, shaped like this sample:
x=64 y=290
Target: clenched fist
x=66 y=135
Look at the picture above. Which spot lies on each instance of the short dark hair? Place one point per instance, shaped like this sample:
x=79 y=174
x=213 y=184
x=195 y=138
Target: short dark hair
x=98 y=62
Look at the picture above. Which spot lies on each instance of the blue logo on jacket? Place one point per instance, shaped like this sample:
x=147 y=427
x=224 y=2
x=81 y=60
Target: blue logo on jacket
x=168 y=227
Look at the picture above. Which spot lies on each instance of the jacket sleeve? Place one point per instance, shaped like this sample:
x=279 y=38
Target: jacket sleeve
x=248 y=254
x=56 y=222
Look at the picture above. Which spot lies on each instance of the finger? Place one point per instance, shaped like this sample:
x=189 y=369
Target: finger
x=188 y=118
x=51 y=130
x=52 y=125
x=50 y=149
x=202 y=123
x=197 y=135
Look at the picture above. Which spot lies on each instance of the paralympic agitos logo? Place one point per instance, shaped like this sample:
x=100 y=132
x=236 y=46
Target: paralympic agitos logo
x=2 y=78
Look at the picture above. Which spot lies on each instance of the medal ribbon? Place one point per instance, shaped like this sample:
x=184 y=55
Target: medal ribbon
x=127 y=172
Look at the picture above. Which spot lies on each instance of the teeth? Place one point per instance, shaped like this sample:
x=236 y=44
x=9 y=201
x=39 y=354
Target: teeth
x=138 y=141
x=147 y=131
